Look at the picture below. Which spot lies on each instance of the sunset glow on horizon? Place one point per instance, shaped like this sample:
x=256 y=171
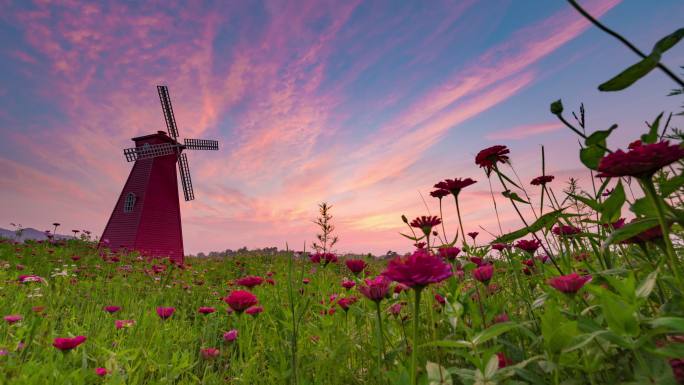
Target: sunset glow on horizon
x=364 y=105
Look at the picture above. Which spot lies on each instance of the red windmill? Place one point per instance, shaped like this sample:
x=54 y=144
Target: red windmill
x=146 y=216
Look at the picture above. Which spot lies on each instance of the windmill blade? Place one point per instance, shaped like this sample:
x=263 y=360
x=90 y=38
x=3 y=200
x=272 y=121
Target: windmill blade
x=149 y=151
x=184 y=171
x=168 y=111
x=201 y=144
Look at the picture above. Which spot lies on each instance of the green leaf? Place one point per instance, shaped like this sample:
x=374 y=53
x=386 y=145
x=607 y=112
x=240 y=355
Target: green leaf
x=673 y=324
x=583 y=340
x=629 y=230
x=557 y=331
x=620 y=315
x=668 y=41
x=599 y=137
x=412 y=238
x=492 y=366
x=643 y=207
x=612 y=207
x=437 y=374
x=671 y=185
x=449 y=344
x=513 y=196
x=593 y=203
x=652 y=135
x=545 y=221
x=635 y=72
x=493 y=331
x=557 y=107
x=646 y=287
x=591 y=156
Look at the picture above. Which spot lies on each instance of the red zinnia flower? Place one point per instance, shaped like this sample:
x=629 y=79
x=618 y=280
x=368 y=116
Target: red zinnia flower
x=503 y=360
x=306 y=281
x=165 y=312
x=347 y=284
x=123 y=323
x=418 y=269
x=565 y=230
x=426 y=223
x=375 y=289
x=503 y=317
x=399 y=287
x=570 y=283
x=440 y=299
x=346 y=302
x=250 y=281
x=31 y=278
x=240 y=300
x=454 y=186
x=355 y=265
x=13 y=318
x=489 y=157
x=542 y=180
x=206 y=310
x=209 y=353
x=500 y=246
x=230 y=335
x=439 y=193
x=449 y=253
x=641 y=160
x=528 y=245
x=112 y=309
x=66 y=344
x=254 y=310
x=101 y=372
x=483 y=273
x=473 y=234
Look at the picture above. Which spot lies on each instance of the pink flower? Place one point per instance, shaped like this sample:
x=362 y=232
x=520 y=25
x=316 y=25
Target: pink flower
x=426 y=223
x=473 y=234
x=31 y=278
x=395 y=309
x=347 y=284
x=565 y=230
x=230 y=335
x=66 y=344
x=542 y=180
x=124 y=323
x=375 y=289
x=449 y=253
x=355 y=265
x=209 y=353
x=503 y=317
x=165 y=312
x=454 y=186
x=641 y=160
x=503 y=360
x=399 y=287
x=306 y=281
x=500 y=246
x=528 y=245
x=418 y=269
x=101 y=372
x=324 y=258
x=240 y=300
x=440 y=300
x=206 y=310
x=489 y=157
x=13 y=318
x=483 y=273
x=346 y=302
x=250 y=281
x=112 y=309
x=569 y=284
x=439 y=193
x=254 y=310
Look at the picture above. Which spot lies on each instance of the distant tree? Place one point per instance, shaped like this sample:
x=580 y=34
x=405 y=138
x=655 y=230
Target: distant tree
x=326 y=239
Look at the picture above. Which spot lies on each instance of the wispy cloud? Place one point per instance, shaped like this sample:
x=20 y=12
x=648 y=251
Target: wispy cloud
x=520 y=132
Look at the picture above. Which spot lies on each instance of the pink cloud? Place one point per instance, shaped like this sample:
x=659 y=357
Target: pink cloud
x=520 y=132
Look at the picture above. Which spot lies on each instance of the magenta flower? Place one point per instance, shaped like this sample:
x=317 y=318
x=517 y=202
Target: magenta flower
x=569 y=284
x=66 y=344
x=306 y=281
x=31 y=278
x=439 y=193
x=254 y=310
x=206 y=310
x=124 y=323
x=230 y=335
x=112 y=309
x=13 y=318
x=483 y=273
x=565 y=230
x=101 y=372
x=426 y=223
x=641 y=160
x=375 y=289
x=503 y=317
x=165 y=312
x=473 y=234
x=489 y=157
x=440 y=300
x=528 y=245
x=250 y=281
x=418 y=269
x=347 y=284
x=500 y=246
x=454 y=186
x=346 y=302
x=209 y=353
x=240 y=300
x=395 y=309
x=449 y=253
x=355 y=265
x=542 y=180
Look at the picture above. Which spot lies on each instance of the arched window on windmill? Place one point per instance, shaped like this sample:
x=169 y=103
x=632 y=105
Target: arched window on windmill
x=129 y=203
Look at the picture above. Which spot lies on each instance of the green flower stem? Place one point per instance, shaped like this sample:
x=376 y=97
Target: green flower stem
x=381 y=340
x=441 y=216
x=460 y=222
x=414 y=351
x=652 y=195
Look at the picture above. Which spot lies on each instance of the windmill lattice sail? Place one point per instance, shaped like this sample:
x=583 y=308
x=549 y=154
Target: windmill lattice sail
x=146 y=217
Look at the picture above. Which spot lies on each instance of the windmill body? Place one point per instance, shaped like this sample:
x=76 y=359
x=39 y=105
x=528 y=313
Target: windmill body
x=146 y=216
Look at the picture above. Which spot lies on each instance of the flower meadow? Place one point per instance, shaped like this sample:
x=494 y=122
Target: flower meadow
x=589 y=290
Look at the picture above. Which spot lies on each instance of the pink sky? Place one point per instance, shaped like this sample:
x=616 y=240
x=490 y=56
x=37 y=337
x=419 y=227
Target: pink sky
x=362 y=104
